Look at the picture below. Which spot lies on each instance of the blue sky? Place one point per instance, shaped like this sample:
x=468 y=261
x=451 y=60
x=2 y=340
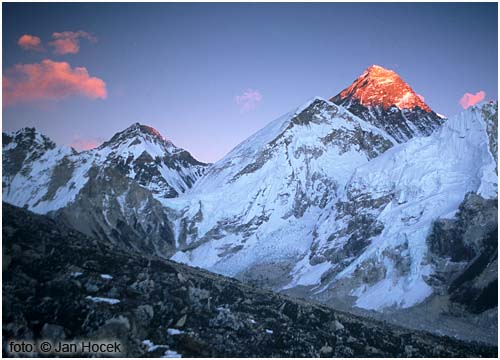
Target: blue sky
x=181 y=67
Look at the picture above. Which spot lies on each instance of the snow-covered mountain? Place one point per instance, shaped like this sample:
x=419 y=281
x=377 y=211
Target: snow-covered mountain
x=111 y=191
x=376 y=203
x=382 y=98
x=144 y=155
x=320 y=200
x=258 y=205
x=139 y=153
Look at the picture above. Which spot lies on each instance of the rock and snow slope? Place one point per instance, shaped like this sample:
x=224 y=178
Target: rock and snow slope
x=110 y=192
x=29 y=162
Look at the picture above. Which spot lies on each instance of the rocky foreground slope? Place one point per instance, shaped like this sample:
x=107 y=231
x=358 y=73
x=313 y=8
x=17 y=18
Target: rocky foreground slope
x=60 y=284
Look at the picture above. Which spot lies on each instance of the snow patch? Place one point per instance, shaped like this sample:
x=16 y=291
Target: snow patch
x=150 y=346
x=174 y=332
x=171 y=354
x=103 y=299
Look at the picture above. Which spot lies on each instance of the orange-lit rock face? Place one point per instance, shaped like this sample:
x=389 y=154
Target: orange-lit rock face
x=153 y=131
x=379 y=86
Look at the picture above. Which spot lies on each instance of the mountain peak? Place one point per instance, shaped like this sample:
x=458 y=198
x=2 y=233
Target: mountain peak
x=380 y=74
x=138 y=128
x=378 y=86
x=378 y=68
x=139 y=131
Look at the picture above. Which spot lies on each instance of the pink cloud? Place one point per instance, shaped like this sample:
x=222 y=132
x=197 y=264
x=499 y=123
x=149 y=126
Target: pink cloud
x=49 y=80
x=471 y=99
x=249 y=100
x=80 y=143
x=68 y=42
x=30 y=42
x=421 y=97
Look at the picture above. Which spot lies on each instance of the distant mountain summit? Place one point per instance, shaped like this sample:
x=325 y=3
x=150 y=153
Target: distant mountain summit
x=112 y=192
x=138 y=132
x=382 y=98
x=143 y=154
x=378 y=86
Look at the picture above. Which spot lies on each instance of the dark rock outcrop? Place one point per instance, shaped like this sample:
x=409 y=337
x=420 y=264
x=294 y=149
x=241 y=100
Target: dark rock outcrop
x=116 y=209
x=465 y=251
